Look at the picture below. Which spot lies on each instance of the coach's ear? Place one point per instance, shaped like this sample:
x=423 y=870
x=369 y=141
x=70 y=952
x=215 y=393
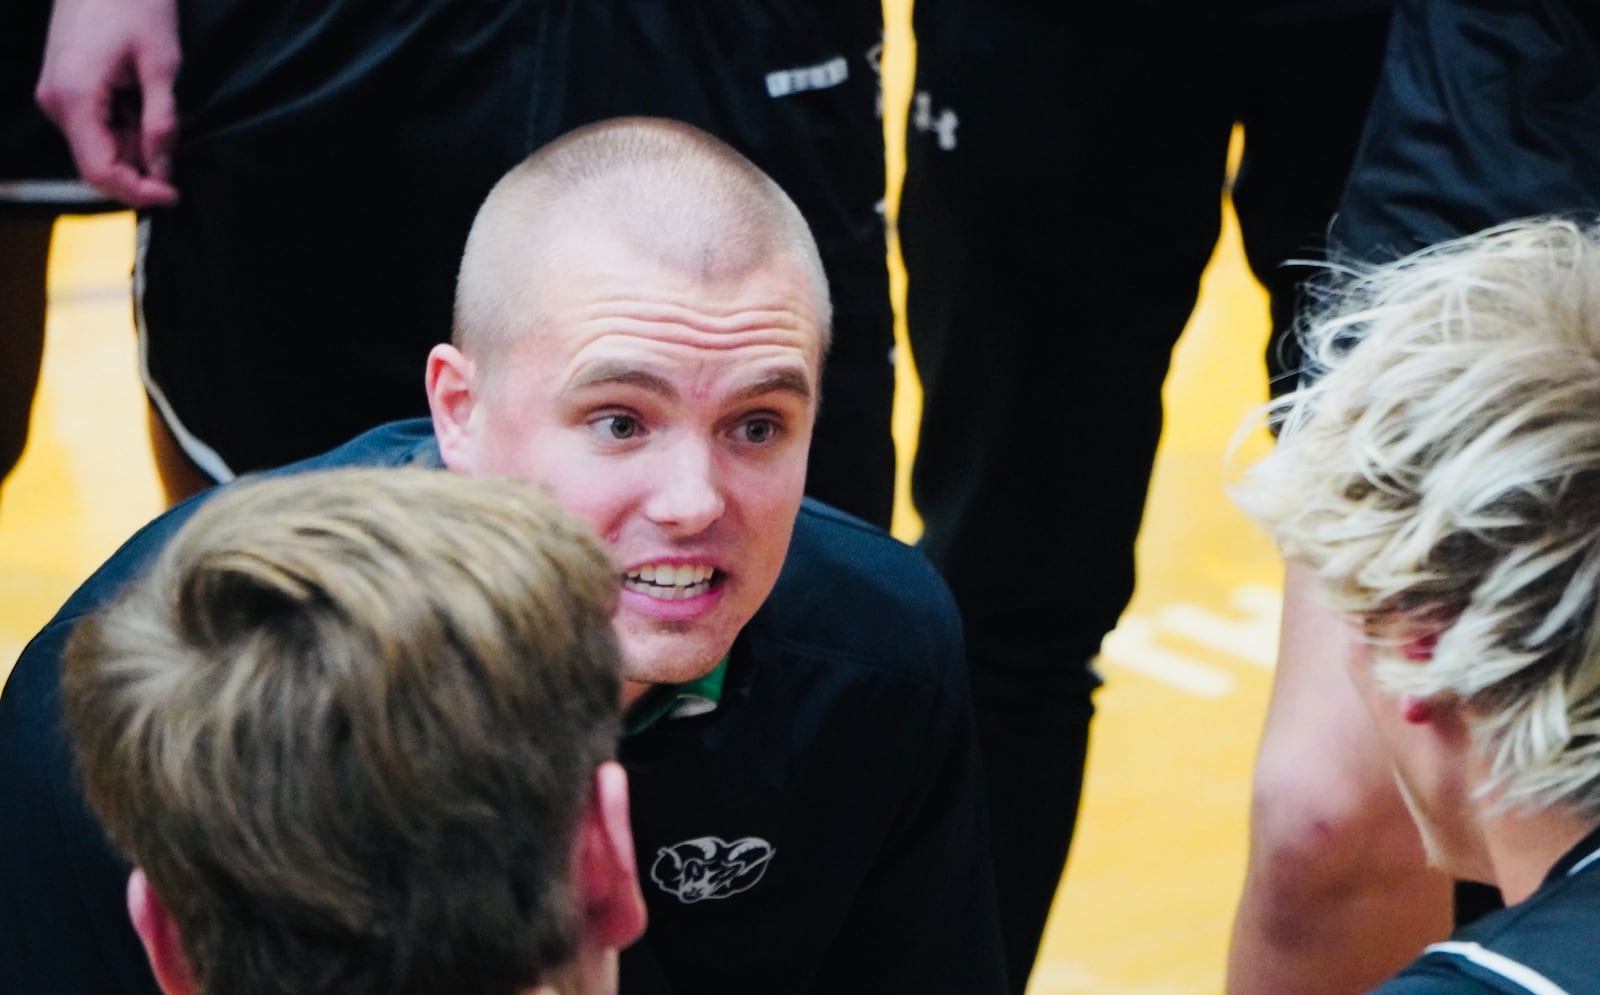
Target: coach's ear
x=452 y=397
x=159 y=934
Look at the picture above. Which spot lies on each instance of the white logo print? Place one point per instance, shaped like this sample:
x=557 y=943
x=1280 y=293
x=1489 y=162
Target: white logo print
x=943 y=125
x=821 y=76
x=709 y=867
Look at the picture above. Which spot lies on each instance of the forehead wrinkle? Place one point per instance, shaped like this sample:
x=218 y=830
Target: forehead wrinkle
x=704 y=317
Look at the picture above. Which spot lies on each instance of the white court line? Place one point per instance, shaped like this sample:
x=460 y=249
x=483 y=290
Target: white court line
x=1132 y=645
x=1252 y=637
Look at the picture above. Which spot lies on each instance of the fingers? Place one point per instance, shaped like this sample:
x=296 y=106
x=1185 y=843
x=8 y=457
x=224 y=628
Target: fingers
x=111 y=160
x=158 y=125
x=107 y=84
x=84 y=117
x=108 y=149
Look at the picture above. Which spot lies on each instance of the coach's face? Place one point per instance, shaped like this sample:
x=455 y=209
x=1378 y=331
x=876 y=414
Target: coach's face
x=673 y=414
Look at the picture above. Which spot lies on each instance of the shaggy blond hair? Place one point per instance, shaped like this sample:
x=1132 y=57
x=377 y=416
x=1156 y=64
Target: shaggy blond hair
x=347 y=723
x=1445 y=471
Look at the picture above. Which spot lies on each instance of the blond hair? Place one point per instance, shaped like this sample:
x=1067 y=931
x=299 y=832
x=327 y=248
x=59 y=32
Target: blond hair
x=665 y=188
x=1444 y=475
x=347 y=723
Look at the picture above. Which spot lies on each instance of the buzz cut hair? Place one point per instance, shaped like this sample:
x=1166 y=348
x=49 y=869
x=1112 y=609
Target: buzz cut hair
x=663 y=187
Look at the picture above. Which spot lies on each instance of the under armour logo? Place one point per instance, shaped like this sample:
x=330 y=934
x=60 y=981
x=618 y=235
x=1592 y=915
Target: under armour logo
x=943 y=125
x=709 y=867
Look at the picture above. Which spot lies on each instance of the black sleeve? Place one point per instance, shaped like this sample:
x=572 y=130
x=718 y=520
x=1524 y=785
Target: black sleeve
x=1486 y=111
x=1434 y=984
x=63 y=924
x=64 y=927
x=1448 y=972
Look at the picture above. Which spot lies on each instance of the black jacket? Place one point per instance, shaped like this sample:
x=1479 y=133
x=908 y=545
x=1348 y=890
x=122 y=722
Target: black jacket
x=820 y=831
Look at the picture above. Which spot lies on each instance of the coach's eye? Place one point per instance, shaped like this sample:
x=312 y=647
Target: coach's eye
x=618 y=427
x=760 y=431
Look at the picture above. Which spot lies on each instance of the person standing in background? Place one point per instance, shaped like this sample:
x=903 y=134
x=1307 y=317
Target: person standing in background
x=1065 y=166
x=38 y=183
x=328 y=168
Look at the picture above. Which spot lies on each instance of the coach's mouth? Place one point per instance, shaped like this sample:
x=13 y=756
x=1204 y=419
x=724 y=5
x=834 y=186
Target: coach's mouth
x=671 y=581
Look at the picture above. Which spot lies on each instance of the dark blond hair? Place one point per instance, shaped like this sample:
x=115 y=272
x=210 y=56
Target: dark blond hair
x=347 y=724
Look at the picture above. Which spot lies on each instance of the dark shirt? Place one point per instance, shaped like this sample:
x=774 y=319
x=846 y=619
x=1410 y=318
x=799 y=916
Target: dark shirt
x=819 y=831
x=1544 y=945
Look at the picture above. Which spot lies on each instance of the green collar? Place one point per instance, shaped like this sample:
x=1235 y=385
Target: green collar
x=677 y=701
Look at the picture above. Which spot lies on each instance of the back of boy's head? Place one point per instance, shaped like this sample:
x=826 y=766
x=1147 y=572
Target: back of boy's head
x=1443 y=476
x=347 y=724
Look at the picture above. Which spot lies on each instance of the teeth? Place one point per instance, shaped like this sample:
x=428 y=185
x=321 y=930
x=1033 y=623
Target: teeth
x=670 y=583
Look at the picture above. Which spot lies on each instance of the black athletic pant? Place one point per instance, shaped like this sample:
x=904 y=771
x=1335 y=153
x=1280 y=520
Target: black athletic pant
x=38 y=183
x=1063 y=196
x=333 y=153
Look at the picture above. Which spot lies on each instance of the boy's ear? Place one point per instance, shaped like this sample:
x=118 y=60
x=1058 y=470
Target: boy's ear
x=608 y=877
x=159 y=934
x=1419 y=649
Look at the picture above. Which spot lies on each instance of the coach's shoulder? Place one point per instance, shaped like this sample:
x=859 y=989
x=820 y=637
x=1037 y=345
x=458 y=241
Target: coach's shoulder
x=868 y=595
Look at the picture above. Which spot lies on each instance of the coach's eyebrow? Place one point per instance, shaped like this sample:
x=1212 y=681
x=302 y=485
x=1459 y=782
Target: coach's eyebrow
x=612 y=373
x=624 y=375
x=779 y=381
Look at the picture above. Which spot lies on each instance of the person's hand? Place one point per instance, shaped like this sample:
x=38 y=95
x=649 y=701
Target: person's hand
x=107 y=84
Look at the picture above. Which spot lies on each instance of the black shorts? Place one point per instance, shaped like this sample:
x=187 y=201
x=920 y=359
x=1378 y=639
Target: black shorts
x=37 y=176
x=329 y=176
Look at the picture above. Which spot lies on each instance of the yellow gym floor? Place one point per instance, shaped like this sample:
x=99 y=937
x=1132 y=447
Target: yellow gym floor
x=1148 y=895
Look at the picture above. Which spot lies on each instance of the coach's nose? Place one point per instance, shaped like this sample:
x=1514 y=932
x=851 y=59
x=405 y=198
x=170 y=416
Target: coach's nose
x=688 y=497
